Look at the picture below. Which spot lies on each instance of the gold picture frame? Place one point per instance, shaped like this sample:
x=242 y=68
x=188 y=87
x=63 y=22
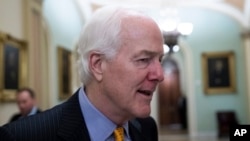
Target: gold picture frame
x=219 y=72
x=64 y=57
x=13 y=66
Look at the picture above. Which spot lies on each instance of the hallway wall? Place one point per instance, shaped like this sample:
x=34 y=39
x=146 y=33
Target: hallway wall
x=215 y=32
x=64 y=23
x=11 y=22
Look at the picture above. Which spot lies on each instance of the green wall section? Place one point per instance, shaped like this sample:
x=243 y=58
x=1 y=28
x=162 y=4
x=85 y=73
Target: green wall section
x=215 y=32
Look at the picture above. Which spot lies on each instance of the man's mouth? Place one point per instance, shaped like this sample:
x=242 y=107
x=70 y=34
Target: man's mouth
x=145 y=92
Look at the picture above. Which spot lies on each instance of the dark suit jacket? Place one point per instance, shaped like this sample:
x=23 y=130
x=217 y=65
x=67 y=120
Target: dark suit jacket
x=61 y=123
x=18 y=115
x=148 y=127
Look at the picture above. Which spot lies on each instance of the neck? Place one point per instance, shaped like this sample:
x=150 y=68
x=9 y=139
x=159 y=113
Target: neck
x=102 y=102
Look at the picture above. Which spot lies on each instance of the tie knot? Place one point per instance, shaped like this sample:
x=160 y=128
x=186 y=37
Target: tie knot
x=119 y=134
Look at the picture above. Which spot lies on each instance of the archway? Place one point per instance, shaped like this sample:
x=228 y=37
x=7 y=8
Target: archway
x=172 y=103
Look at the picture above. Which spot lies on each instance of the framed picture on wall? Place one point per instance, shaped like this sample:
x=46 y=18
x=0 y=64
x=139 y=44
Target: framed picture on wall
x=218 y=72
x=13 y=66
x=64 y=57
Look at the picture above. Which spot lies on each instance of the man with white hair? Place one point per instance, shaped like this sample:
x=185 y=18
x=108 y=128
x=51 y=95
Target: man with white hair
x=120 y=52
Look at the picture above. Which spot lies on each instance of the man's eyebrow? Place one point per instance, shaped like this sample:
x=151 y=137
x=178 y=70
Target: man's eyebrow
x=148 y=53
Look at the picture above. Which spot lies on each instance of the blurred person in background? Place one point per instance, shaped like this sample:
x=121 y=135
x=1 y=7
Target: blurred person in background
x=26 y=102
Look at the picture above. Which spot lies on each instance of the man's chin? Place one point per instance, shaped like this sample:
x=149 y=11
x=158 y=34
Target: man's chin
x=143 y=113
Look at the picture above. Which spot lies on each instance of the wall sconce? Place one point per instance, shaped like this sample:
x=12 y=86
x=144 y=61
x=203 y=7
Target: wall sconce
x=168 y=49
x=184 y=28
x=171 y=32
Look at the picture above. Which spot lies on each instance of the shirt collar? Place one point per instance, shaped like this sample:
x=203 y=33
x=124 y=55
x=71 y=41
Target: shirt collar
x=99 y=126
x=33 y=111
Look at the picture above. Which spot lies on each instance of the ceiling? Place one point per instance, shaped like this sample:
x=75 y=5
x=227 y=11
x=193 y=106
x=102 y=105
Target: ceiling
x=238 y=4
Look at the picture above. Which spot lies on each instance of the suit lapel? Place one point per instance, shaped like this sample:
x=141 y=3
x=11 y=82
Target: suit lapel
x=135 y=133
x=73 y=126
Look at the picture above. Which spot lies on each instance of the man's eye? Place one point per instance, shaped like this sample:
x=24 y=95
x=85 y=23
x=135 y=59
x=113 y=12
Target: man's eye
x=144 y=60
x=160 y=60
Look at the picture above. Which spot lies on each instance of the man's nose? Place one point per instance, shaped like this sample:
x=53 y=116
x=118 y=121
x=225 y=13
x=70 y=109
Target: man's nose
x=156 y=72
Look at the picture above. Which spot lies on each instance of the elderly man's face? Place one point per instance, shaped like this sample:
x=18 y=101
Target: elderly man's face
x=132 y=76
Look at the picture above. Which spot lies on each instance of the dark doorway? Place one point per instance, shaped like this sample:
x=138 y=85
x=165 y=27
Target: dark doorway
x=172 y=103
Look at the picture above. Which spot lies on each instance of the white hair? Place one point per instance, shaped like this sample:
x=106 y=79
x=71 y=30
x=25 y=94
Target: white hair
x=101 y=34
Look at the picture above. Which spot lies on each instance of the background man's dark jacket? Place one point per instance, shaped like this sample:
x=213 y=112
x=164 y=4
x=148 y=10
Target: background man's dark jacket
x=18 y=115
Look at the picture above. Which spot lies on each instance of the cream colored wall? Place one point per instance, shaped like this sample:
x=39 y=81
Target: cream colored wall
x=11 y=17
x=38 y=58
x=6 y=111
x=11 y=22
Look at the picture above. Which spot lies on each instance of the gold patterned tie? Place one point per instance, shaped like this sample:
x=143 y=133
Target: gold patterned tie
x=119 y=134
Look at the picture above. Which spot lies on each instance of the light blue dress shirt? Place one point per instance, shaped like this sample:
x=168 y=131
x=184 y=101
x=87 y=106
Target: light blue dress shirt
x=100 y=128
x=33 y=111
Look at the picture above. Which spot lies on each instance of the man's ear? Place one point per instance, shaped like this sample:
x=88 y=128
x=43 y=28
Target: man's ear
x=95 y=65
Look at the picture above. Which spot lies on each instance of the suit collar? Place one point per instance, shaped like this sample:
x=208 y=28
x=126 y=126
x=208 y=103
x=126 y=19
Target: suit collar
x=135 y=133
x=72 y=125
